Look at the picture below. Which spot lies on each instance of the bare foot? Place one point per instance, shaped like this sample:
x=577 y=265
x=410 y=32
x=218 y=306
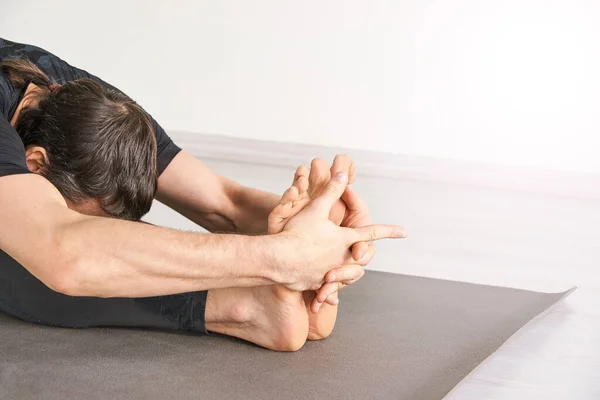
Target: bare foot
x=274 y=316
x=269 y=316
x=292 y=202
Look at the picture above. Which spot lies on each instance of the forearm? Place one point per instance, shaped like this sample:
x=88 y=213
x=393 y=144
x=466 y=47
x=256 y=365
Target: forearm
x=252 y=209
x=213 y=201
x=114 y=258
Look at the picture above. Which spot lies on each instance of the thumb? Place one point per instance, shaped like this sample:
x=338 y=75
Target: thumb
x=371 y=233
x=351 y=199
x=332 y=192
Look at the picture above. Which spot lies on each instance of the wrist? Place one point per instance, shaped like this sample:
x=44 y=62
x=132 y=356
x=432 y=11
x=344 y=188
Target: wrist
x=278 y=265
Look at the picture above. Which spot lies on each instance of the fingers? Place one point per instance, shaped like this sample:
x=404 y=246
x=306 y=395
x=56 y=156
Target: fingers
x=367 y=257
x=319 y=176
x=343 y=163
x=375 y=232
x=323 y=293
x=352 y=200
x=343 y=274
x=320 y=173
x=359 y=250
x=328 y=293
x=331 y=194
x=352 y=174
x=353 y=281
x=333 y=299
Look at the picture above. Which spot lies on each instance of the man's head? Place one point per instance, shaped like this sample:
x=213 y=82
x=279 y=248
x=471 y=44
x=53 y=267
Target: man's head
x=95 y=145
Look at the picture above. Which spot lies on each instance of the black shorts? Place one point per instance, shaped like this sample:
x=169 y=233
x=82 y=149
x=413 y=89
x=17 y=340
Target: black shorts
x=23 y=296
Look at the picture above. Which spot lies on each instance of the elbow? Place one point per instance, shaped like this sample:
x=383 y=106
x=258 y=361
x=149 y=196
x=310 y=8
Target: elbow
x=64 y=268
x=64 y=278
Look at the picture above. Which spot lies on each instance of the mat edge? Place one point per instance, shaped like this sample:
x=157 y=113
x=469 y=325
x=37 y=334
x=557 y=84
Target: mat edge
x=518 y=332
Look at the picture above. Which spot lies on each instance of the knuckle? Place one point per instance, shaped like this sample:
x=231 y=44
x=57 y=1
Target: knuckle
x=331 y=189
x=373 y=234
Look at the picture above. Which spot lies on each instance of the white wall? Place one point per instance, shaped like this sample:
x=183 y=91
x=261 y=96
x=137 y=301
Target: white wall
x=512 y=81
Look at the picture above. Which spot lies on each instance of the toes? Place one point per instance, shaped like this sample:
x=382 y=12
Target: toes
x=293 y=194
x=275 y=222
x=319 y=177
x=289 y=196
x=343 y=163
x=302 y=185
x=301 y=181
x=284 y=197
x=301 y=171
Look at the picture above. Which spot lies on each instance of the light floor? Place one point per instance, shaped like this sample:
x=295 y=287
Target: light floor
x=495 y=237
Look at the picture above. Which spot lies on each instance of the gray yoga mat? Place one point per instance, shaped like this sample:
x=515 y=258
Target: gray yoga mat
x=397 y=337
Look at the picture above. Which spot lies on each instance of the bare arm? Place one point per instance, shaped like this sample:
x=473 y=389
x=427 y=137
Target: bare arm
x=82 y=255
x=213 y=201
x=90 y=256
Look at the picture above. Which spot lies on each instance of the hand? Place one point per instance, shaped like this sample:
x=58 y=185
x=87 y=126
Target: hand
x=351 y=212
x=357 y=215
x=314 y=245
x=320 y=174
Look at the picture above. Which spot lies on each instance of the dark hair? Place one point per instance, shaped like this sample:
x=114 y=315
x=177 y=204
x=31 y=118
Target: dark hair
x=100 y=144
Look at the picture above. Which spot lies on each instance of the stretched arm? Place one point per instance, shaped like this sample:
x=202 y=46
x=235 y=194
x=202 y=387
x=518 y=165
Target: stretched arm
x=82 y=255
x=213 y=201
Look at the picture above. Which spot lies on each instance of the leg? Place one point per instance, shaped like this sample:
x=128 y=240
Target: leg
x=23 y=296
x=270 y=316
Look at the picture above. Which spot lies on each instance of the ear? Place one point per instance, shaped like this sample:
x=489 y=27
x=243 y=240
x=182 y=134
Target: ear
x=29 y=100
x=37 y=159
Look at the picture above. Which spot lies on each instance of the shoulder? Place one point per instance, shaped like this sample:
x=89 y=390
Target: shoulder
x=7 y=91
x=12 y=152
x=7 y=94
x=56 y=68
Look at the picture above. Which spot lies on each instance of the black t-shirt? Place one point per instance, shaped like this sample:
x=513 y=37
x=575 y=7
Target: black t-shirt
x=12 y=152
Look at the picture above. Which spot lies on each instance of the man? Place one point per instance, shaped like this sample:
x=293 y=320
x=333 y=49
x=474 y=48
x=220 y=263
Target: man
x=63 y=262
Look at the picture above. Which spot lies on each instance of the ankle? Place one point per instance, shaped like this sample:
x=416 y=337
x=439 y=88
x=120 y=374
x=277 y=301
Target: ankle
x=229 y=306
